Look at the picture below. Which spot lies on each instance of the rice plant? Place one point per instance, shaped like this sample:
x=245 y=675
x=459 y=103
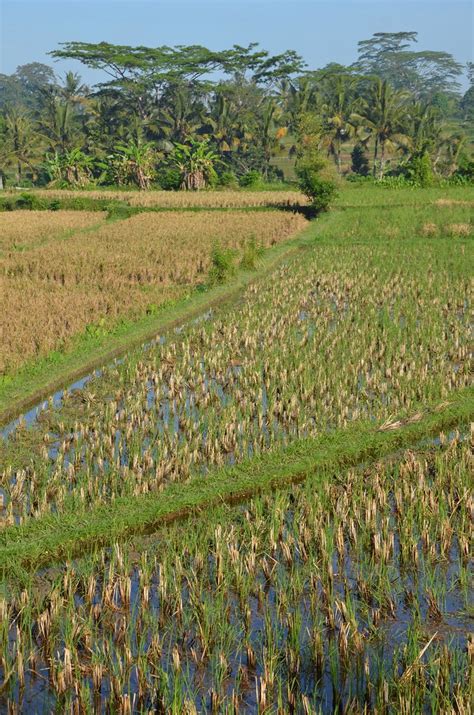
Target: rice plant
x=299 y=602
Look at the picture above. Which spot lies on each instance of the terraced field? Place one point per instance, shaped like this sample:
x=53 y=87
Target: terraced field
x=349 y=592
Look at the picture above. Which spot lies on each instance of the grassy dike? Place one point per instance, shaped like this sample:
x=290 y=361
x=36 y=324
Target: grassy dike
x=41 y=378
x=45 y=541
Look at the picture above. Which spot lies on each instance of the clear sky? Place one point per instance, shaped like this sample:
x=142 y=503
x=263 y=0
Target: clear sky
x=321 y=31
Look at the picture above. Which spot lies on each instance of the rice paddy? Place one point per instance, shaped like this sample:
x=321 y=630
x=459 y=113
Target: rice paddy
x=343 y=332
x=55 y=289
x=350 y=592
x=24 y=230
x=183 y=199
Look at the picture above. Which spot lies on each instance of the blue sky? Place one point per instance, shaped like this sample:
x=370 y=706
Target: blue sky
x=321 y=31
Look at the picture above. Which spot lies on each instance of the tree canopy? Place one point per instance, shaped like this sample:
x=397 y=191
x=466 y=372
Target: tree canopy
x=233 y=112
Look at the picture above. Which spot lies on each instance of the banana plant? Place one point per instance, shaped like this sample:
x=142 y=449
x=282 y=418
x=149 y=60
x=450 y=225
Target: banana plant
x=196 y=162
x=134 y=163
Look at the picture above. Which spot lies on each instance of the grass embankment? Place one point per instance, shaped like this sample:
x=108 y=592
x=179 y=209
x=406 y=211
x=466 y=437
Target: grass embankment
x=52 y=539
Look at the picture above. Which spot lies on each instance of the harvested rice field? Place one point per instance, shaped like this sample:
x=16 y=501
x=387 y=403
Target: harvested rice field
x=183 y=199
x=54 y=289
x=266 y=508
x=24 y=230
x=341 y=332
x=349 y=594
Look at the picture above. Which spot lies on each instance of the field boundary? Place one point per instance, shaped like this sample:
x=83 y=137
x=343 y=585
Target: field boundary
x=41 y=378
x=41 y=542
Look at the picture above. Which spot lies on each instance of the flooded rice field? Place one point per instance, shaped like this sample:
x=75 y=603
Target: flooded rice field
x=348 y=594
x=339 y=333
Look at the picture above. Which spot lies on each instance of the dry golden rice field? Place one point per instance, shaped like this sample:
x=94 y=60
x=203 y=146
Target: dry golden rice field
x=23 y=230
x=185 y=199
x=53 y=289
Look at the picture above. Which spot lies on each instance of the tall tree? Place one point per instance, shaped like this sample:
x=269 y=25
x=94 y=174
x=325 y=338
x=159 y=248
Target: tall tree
x=21 y=142
x=339 y=105
x=389 y=55
x=384 y=117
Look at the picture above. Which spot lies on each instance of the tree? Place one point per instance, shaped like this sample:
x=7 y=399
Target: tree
x=133 y=163
x=181 y=113
x=21 y=142
x=57 y=123
x=389 y=56
x=384 y=116
x=33 y=79
x=360 y=160
x=247 y=105
x=73 y=90
x=73 y=168
x=338 y=108
x=467 y=102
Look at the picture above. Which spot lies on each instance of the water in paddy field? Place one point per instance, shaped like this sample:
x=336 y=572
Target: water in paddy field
x=55 y=401
x=260 y=601
x=31 y=416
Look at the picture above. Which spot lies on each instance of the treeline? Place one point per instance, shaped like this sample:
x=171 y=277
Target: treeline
x=187 y=117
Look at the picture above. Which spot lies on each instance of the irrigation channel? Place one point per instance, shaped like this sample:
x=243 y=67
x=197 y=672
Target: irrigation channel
x=31 y=417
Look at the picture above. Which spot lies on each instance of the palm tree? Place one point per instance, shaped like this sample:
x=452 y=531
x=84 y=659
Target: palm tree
x=180 y=115
x=73 y=90
x=384 y=116
x=270 y=131
x=338 y=110
x=448 y=151
x=58 y=125
x=21 y=141
x=223 y=125
x=425 y=129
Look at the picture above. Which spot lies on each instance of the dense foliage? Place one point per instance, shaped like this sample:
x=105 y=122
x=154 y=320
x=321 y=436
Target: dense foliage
x=189 y=117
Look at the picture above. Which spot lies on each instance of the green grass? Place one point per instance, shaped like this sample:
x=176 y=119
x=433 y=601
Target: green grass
x=50 y=539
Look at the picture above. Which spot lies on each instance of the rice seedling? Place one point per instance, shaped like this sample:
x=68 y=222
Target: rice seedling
x=298 y=602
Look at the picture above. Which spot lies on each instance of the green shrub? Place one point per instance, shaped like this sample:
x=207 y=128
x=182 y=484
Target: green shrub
x=251 y=179
x=360 y=160
x=359 y=179
x=30 y=202
x=120 y=211
x=465 y=171
x=418 y=170
x=252 y=252
x=222 y=268
x=320 y=190
x=228 y=179
x=169 y=179
x=7 y=204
